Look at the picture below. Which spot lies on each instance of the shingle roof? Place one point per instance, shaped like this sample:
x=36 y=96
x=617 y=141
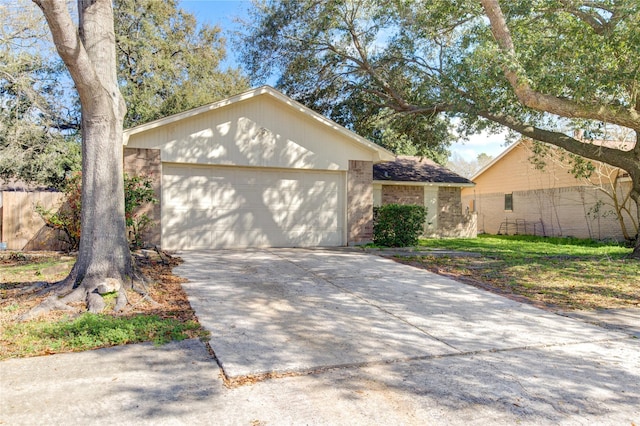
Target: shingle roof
x=416 y=169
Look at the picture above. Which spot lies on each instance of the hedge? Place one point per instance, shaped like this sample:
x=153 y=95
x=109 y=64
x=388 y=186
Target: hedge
x=398 y=225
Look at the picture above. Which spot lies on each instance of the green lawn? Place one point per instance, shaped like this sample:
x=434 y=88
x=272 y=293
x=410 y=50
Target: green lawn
x=170 y=318
x=564 y=272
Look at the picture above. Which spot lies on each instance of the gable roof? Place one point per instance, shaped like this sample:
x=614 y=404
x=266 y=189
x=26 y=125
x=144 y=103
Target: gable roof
x=383 y=154
x=417 y=170
x=621 y=145
x=495 y=160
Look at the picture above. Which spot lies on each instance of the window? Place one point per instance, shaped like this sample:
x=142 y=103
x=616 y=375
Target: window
x=508 y=202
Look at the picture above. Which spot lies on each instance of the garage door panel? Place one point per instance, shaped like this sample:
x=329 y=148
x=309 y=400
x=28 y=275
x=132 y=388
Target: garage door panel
x=227 y=207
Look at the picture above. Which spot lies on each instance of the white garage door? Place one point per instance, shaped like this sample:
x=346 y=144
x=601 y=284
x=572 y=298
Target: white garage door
x=232 y=207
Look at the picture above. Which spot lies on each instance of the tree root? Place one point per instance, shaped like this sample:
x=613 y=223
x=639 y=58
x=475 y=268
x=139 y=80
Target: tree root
x=52 y=303
x=91 y=291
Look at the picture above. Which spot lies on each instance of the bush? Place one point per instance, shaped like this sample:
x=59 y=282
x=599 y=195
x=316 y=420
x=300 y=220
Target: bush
x=397 y=225
x=138 y=190
x=67 y=217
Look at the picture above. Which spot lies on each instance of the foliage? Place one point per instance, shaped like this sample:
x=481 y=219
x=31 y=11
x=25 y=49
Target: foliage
x=167 y=62
x=468 y=168
x=548 y=66
x=138 y=191
x=90 y=331
x=398 y=225
x=32 y=91
x=67 y=218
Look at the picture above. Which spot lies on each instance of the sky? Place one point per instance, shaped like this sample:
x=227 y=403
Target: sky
x=223 y=12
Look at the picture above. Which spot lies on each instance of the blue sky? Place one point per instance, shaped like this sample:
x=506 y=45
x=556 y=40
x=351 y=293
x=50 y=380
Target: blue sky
x=223 y=12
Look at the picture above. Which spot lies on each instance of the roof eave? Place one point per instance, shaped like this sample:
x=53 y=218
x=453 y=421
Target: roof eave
x=381 y=154
x=413 y=183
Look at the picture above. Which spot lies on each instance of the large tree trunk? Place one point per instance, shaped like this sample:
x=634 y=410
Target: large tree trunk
x=89 y=54
x=635 y=196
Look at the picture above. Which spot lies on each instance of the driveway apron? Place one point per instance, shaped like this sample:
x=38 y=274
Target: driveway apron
x=273 y=311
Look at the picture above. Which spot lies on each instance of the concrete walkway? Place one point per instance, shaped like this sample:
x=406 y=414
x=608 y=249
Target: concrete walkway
x=355 y=338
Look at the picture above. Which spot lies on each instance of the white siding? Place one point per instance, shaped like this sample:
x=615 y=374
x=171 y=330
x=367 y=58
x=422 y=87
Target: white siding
x=260 y=132
x=206 y=207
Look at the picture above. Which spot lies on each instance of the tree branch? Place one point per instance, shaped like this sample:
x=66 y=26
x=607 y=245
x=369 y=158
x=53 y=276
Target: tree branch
x=626 y=117
x=615 y=157
x=70 y=47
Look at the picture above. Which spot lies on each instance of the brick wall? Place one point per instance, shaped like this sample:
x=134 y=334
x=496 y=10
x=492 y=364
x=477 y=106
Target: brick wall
x=360 y=202
x=402 y=194
x=140 y=161
x=453 y=222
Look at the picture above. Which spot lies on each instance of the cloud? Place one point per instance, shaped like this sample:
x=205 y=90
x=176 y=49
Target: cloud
x=491 y=144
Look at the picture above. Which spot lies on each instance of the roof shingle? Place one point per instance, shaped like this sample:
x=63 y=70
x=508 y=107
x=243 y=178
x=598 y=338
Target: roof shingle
x=416 y=169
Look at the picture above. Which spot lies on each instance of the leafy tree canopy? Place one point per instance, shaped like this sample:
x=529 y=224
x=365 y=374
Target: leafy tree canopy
x=542 y=68
x=34 y=144
x=168 y=63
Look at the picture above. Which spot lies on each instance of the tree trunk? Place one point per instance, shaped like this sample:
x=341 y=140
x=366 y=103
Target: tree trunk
x=635 y=195
x=90 y=55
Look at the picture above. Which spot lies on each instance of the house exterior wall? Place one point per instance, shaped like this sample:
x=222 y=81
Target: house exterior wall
x=146 y=162
x=360 y=202
x=578 y=211
x=548 y=202
x=402 y=194
x=445 y=216
x=260 y=132
x=452 y=221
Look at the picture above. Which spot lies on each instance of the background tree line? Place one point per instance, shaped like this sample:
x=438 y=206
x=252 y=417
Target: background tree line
x=167 y=62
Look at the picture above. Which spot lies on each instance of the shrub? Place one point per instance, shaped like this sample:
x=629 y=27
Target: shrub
x=67 y=217
x=138 y=190
x=397 y=225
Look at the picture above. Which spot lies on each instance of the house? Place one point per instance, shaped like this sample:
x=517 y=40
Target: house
x=516 y=195
x=415 y=180
x=261 y=170
x=255 y=170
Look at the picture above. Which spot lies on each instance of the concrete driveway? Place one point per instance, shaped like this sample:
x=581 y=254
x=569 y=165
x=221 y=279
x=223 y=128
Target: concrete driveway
x=297 y=310
x=305 y=311
x=341 y=338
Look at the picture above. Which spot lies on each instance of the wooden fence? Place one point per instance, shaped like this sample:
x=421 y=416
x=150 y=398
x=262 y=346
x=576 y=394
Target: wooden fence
x=21 y=227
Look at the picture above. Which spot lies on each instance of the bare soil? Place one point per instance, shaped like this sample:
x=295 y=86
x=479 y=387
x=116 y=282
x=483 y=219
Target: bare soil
x=24 y=274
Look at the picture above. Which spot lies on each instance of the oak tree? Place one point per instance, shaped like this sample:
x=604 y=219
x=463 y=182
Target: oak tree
x=89 y=52
x=540 y=68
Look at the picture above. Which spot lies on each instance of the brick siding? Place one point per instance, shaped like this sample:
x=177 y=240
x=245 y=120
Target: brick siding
x=360 y=202
x=140 y=161
x=402 y=194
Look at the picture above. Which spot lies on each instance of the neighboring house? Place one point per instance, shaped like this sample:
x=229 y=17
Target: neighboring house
x=415 y=180
x=256 y=170
x=513 y=196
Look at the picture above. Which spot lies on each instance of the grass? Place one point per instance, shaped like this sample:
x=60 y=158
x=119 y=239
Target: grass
x=566 y=273
x=18 y=267
x=171 y=318
x=89 y=331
